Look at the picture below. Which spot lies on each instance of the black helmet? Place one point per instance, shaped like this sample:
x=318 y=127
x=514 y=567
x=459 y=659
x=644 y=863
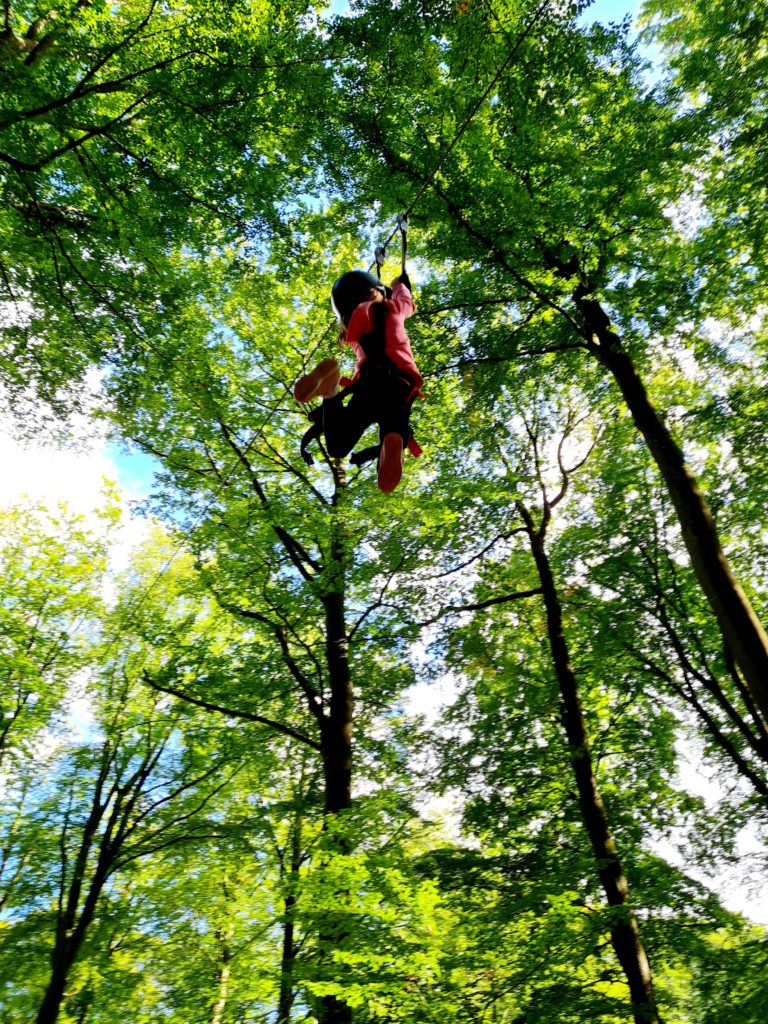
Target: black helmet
x=353 y=288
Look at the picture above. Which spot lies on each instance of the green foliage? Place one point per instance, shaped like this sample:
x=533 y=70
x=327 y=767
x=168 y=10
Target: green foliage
x=130 y=134
x=52 y=569
x=181 y=185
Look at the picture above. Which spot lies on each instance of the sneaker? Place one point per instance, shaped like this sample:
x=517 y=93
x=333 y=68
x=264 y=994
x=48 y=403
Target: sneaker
x=322 y=382
x=390 y=463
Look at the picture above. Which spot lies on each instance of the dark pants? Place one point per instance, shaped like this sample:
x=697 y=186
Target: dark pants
x=379 y=396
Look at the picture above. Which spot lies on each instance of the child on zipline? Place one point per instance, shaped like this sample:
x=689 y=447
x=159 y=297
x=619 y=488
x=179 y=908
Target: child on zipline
x=386 y=378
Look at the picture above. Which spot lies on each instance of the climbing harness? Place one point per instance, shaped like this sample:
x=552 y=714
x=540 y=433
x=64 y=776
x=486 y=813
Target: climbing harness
x=315 y=432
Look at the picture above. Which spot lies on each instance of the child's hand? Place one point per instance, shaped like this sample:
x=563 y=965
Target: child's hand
x=402 y=279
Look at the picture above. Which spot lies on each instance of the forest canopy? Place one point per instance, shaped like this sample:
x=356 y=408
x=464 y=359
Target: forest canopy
x=316 y=753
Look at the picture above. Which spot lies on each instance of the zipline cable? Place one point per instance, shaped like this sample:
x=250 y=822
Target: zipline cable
x=462 y=128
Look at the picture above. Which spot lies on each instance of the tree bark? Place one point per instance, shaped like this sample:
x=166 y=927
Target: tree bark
x=285 y=996
x=735 y=616
x=66 y=952
x=224 y=938
x=54 y=994
x=69 y=943
x=337 y=728
x=336 y=736
x=625 y=935
x=72 y=926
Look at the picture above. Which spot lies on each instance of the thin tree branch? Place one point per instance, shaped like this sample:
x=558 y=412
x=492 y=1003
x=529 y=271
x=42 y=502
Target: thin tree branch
x=378 y=602
x=288 y=467
x=248 y=716
x=296 y=552
x=689 y=696
x=542 y=350
x=309 y=691
x=23 y=165
x=478 y=606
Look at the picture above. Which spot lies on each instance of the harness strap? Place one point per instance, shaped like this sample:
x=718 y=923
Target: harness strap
x=315 y=432
x=380 y=252
x=379 y=255
x=402 y=223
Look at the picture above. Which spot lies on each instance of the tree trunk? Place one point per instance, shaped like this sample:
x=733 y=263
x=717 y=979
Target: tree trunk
x=337 y=729
x=54 y=993
x=625 y=935
x=285 y=997
x=69 y=942
x=738 y=623
x=336 y=738
x=224 y=937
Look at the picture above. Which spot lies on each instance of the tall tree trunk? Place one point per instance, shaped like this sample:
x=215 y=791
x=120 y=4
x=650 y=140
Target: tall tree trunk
x=288 y=955
x=735 y=616
x=70 y=940
x=285 y=995
x=337 y=729
x=54 y=993
x=224 y=938
x=625 y=935
x=336 y=736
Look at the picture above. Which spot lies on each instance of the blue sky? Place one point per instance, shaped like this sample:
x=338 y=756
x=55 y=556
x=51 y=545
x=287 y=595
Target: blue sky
x=135 y=470
x=609 y=10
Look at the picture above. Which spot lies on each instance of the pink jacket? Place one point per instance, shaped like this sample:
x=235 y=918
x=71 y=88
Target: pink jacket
x=396 y=343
